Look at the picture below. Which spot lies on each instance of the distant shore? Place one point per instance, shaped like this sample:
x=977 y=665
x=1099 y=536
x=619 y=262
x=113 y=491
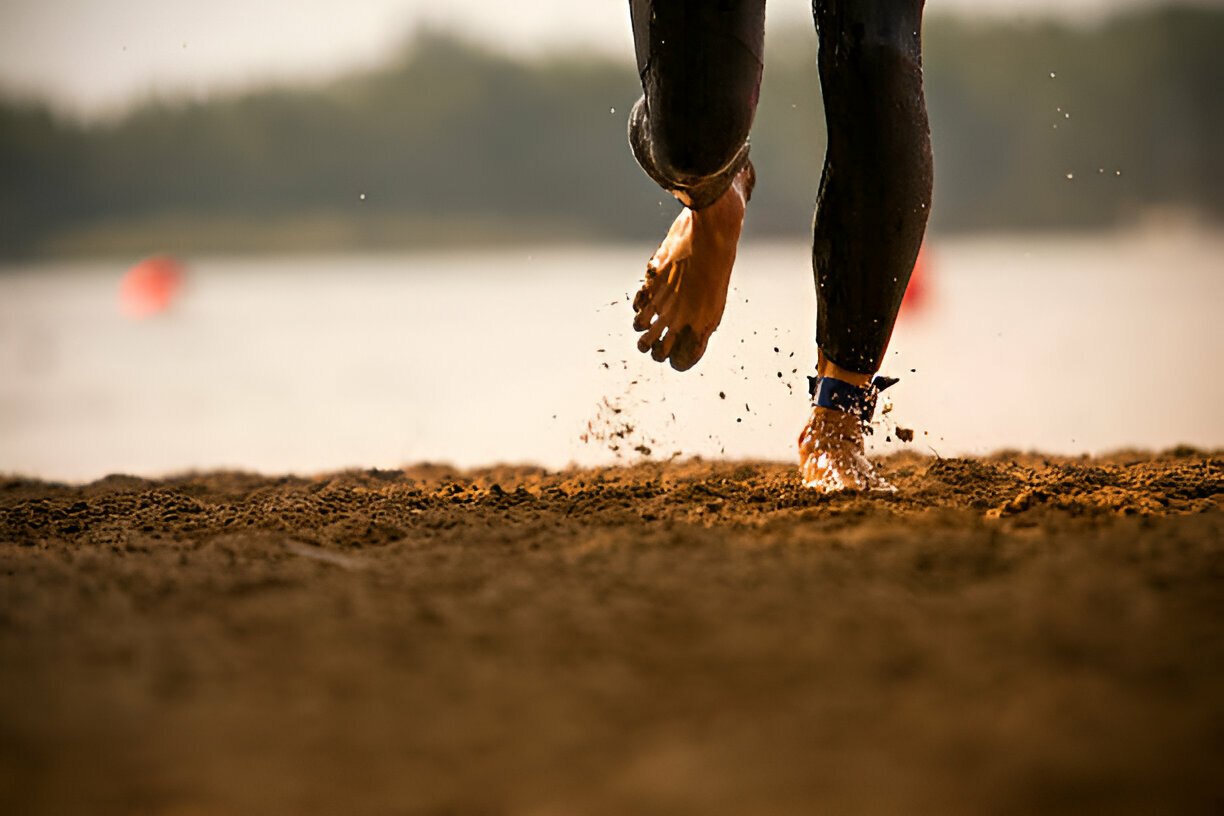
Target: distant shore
x=337 y=232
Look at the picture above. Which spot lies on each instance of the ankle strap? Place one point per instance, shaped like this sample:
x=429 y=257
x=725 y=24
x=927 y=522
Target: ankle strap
x=839 y=395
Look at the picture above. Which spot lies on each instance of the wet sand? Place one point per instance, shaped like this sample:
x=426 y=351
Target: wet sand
x=1015 y=634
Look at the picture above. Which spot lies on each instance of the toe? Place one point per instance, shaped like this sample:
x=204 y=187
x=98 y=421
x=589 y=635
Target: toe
x=642 y=299
x=662 y=347
x=689 y=348
x=652 y=334
x=641 y=320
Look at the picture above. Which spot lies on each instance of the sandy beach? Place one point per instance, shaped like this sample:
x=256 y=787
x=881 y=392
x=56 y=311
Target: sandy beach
x=1013 y=634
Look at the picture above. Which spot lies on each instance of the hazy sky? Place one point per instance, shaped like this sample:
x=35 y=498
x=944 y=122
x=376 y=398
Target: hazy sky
x=95 y=55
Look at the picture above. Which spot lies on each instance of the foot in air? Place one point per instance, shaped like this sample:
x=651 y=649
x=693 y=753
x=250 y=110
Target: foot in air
x=682 y=301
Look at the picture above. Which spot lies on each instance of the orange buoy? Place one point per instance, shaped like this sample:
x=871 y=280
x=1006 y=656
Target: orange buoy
x=150 y=286
x=917 y=294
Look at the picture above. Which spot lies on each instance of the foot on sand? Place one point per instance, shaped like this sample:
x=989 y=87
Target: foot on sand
x=831 y=457
x=682 y=301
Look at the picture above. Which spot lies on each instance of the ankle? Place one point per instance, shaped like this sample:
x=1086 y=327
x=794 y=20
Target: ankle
x=827 y=368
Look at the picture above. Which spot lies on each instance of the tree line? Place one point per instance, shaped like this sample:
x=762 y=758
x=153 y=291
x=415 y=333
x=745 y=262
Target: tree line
x=1035 y=126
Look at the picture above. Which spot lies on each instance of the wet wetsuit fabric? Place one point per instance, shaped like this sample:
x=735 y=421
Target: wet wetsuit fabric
x=700 y=63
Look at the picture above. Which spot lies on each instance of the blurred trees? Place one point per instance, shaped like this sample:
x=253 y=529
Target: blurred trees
x=1035 y=126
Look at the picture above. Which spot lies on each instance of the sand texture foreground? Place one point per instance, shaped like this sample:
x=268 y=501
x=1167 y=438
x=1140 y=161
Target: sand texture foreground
x=1009 y=635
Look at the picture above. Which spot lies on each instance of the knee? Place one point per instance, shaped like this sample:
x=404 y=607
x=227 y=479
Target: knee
x=689 y=161
x=697 y=117
x=691 y=145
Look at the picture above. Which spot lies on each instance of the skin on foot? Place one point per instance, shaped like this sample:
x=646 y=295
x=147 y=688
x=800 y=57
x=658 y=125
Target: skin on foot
x=831 y=455
x=682 y=301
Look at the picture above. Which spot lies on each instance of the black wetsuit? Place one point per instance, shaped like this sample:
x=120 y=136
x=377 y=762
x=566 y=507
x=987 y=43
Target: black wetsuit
x=700 y=62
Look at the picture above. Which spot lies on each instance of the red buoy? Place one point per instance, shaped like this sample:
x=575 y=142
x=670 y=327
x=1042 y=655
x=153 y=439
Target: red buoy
x=150 y=286
x=917 y=294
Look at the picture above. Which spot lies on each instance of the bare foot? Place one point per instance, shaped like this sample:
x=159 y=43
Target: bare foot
x=831 y=457
x=682 y=301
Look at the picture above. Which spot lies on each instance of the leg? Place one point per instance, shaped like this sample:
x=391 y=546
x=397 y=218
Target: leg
x=700 y=65
x=875 y=195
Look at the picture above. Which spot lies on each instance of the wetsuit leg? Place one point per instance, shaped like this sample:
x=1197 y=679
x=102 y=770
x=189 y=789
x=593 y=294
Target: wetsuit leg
x=700 y=63
x=875 y=193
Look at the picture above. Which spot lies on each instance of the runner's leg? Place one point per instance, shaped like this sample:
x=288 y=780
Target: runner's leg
x=875 y=193
x=700 y=63
x=875 y=196
x=700 y=66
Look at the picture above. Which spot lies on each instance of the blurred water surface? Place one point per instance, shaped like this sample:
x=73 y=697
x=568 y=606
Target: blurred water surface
x=1064 y=344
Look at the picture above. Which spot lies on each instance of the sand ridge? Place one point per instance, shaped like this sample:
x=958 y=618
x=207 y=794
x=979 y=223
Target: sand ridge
x=1007 y=634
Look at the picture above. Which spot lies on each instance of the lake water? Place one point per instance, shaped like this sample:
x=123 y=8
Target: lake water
x=1069 y=345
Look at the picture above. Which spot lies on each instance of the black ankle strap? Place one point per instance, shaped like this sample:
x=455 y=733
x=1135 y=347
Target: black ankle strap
x=839 y=395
